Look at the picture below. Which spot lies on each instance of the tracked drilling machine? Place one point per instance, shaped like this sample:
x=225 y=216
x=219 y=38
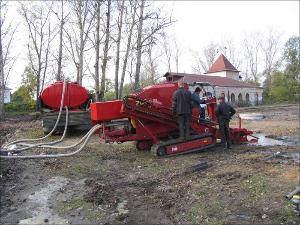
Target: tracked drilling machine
x=145 y=116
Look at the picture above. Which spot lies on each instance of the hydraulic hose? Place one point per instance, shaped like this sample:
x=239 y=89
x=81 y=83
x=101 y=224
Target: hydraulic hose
x=85 y=138
x=53 y=129
x=70 y=146
x=41 y=145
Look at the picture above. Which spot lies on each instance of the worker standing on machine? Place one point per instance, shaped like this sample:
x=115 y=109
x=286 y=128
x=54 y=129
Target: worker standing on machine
x=182 y=108
x=197 y=101
x=224 y=113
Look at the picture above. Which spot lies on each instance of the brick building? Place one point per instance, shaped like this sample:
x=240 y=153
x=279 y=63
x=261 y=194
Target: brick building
x=225 y=78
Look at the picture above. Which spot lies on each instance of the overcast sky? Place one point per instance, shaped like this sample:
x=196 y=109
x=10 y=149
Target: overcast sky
x=201 y=22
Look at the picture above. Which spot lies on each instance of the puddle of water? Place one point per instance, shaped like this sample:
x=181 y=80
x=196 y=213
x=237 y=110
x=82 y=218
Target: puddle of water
x=239 y=216
x=294 y=156
x=291 y=140
x=285 y=140
x=265 y=141
x=252 y=116
x=122 y=207
x=38 y=203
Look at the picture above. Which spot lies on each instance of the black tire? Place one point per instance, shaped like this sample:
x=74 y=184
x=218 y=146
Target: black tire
x=161 y=151
x=143 y=145
x=46 y=130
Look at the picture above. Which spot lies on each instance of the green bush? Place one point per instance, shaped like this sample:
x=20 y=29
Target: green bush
x=20 y=106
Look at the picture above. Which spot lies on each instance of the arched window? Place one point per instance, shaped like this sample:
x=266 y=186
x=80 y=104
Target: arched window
x=232 y=98
x=247 y=98
x=256 y=98
x=240 y=98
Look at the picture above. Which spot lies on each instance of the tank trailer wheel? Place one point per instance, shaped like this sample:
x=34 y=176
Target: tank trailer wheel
x=161 y=151
x=143 y=145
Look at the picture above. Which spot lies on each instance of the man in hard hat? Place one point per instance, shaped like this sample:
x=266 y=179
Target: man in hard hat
x=224 y=113
x=182 y=108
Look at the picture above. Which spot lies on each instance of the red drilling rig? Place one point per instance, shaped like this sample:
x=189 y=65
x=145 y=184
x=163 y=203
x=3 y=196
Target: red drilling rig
x=145 y=116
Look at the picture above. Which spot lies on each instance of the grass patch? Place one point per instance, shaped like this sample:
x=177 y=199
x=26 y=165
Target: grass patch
x=257 y=187
x=64 y=207
x=89 y=210
x=285 y=215
x=94 y=215
x=83 y=166
x=17 y=113
x=210 y=213
x=37 y=133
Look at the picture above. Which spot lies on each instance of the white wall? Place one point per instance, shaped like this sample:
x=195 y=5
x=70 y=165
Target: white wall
x=219 y=74
x=7 y=96
x=232 y=75
x=254 y=93
x=229 y=74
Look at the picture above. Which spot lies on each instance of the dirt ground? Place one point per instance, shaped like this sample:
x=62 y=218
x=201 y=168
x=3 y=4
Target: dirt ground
x=116 y=184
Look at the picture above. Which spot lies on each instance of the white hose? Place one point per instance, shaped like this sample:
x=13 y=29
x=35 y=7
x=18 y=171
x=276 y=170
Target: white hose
x=70 y=146
x=53 y=129
x=85 y=138
x=41 y=145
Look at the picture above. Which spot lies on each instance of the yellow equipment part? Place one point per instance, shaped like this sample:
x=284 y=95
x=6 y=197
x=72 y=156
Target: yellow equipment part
x=297 y=197
x=133 y=123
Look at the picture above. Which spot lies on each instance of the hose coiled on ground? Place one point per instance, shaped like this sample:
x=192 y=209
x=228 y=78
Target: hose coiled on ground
x=84 y=139
x=41 y=145
x=53 y=129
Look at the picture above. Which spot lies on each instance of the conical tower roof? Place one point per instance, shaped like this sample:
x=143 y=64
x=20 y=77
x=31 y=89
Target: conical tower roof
x=221 y=64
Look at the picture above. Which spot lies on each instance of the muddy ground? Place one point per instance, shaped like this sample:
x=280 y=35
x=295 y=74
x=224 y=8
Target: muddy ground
x=116 y=184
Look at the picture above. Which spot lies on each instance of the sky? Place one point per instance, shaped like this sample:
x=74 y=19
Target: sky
x=201 y=22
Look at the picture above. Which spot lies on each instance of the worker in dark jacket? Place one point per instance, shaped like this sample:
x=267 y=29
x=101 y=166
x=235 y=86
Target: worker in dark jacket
x=197 y=101
x=182 y=108
x=224 y=113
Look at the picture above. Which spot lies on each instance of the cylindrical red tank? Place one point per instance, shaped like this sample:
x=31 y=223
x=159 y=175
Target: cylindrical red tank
x=75 y=95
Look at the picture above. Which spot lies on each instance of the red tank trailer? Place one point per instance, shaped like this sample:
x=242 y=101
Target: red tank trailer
x=146 y=117
x=76 y=98
x=75 y=95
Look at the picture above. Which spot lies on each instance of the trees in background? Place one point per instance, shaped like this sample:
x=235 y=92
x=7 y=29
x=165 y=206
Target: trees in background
x=205 y=58
x=40 y=33
x=127 y=40
x=121 y=7
x=96 y=76
x=62 y=17
x=131 y=20
x=263 y=62
x=151 y=27
x=284 y=85
x=139 y=45
x=105 y=51
x=22 y=98
x=252 y=55
x=101 y=37
x=291 y=57
x=232 y=52
x=7 y=60
x=78 y=33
